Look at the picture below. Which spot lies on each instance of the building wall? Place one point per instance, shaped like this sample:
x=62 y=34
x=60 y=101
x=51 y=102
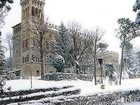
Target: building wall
x=25 y=54
x=112 y=58
x=17 y=46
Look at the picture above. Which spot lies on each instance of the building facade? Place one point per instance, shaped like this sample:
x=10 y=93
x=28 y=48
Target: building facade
x=25 y=56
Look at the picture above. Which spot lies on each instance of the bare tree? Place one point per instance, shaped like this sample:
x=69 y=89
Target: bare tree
x=75 y=45
x=9 y=41
x=96 y=38
x=40 y=32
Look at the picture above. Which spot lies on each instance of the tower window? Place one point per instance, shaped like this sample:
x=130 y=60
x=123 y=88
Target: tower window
x=27 y=58
x=33 y=11
x=22 y=59
x=36 y=12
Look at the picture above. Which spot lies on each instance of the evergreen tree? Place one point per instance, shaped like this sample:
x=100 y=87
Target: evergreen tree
x=3 y=2
x=127 y=31
x=63 y=45
x=128 y=48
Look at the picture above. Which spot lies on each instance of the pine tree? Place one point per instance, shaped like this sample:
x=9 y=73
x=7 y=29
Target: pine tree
x=63 y=45
x=127 y=31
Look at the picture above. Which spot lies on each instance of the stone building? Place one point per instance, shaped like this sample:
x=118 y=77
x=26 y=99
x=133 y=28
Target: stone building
x=25 y=56
x=111 y=57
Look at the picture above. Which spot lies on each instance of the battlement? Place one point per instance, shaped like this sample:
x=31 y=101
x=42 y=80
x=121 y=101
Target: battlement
x=56 y=28
x=53 y=26
x=33 y=1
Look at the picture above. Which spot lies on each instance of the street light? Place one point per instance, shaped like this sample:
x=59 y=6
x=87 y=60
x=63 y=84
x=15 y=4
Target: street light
x=100 y=60
x=31 y=81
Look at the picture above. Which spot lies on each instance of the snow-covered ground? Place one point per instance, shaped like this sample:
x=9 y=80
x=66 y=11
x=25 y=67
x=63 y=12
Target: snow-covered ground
x=133 y=103
x=87 y=87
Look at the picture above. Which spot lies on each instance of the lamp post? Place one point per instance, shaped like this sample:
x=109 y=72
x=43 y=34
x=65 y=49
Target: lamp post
x=31 y=62
x=100 y=60
x=31 y=81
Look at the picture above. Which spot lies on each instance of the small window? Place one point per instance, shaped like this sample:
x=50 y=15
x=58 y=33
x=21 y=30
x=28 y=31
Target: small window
x=37 y=73
x=33 y=11
x=33 y=57
x=27 y=58
x=22 y=59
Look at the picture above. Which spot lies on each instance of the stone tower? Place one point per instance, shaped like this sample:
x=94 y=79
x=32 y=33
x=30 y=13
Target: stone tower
x=30 y=9
x=25 y=55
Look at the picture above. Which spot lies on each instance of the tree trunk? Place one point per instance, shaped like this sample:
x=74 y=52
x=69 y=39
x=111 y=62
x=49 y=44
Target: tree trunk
x=77 y=69
x=121 y=68
x=41 y=57
x=101 y=74
x=95 y=62
x=42 y=68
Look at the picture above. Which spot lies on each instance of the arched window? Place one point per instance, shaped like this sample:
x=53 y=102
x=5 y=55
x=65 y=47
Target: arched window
x=38 y=3
x=33 y=11
x=39 y=13
x=36 y=12
x=27 y=58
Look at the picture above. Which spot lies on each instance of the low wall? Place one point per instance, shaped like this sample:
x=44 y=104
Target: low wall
x=67 y=76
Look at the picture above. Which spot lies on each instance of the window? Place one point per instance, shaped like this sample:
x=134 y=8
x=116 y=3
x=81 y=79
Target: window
x=26 y=43
x=33 y=57
x=27 y=58
x=33 y=11
x=37 y=73
x=23 y=44
x=22 y=59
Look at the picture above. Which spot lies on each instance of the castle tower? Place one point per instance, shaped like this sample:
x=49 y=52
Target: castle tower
x=31 y=9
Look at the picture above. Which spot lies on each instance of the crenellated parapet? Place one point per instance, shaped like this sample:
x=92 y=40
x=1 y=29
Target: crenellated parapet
x=35 y=2
x=53 y=26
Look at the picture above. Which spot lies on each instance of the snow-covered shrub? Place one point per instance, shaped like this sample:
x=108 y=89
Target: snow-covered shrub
x=60 y=76
x=85 y=77
x=58 y=63
x=67 y=76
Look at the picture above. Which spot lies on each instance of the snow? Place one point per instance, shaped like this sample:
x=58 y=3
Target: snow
x=87 y=87
x=133 y=103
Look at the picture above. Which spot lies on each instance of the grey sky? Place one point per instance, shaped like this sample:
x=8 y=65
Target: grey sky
x=90 y=13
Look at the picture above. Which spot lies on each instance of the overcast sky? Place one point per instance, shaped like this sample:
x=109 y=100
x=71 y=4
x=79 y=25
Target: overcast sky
x=90 y=13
